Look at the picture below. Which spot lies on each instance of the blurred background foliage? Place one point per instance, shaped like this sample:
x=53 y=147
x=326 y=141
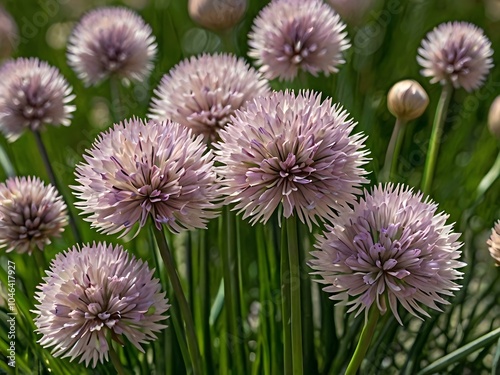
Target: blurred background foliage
x=384 y=48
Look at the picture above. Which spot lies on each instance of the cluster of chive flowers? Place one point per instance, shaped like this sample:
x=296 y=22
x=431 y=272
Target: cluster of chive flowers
x=217 y=135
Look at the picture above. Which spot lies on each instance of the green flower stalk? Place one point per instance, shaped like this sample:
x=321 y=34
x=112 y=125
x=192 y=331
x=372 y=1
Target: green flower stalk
x=390 y=249
x=407 y=100
x=435 y=141
x=159 y=171
x=457 y=55
x=34 y=95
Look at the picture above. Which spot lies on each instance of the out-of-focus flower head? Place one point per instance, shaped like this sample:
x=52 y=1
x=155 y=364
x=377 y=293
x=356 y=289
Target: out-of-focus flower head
x=294 y=152
x=95 y=292
x=457 y=53
x=292 y=35
x=494 y=243
x=32 y=94
x=202 y=92
x=217 y=14
x=111 y=41
x=138 y=170
x=389 y=249
x=8 y=34
x=31 y=214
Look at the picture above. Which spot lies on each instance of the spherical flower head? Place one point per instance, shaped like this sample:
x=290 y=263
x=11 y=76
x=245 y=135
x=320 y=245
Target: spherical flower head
x=457 y=53
x=202 y=93
x=32 y=94
x=217 y=14
x=407 y=100
x=494 y=243
x=138 y=170
x=390 y=248
x=8 y=34
x=93 y=293
x=289 y=35
x=292 y=151
x=111 y=41
x=494 y=118
x=31 y=214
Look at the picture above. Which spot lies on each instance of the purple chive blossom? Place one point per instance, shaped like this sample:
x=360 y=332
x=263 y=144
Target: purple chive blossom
x=138 y=170
x=458 y=53
x=95 y=292
x=203 y=92
x=494 y=243
x=289 y=35
x=391 y=249
x=111 y=41
x=31 y=214
x=294 y=152
x=32 y=94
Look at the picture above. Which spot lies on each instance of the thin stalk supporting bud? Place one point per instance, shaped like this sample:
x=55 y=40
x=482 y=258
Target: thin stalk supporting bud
x=407 y=100
x=435 y=141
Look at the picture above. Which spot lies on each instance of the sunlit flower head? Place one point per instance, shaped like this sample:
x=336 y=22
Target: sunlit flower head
x=202 y=92
x=31 y=214
x=111 y=41
x=391 y=248
x=458 y=53
x=93 y=293
x=494 y=243
x=138 y=170
x=294 y=152
x=32 y=94
x=292 y=35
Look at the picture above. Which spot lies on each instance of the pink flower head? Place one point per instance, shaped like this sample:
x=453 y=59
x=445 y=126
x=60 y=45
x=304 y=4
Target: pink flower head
x=111 y=41
x=31 y=214
x=390 y=248
x=138 y=170
x=32 y=94
x=292 y=151
x=95 y=292
x=202 y=92
x=458 y=53
x=289 y=35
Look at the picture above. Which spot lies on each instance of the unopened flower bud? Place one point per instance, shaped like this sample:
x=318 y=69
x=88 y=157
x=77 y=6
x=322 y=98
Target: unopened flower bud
x=217 y=14
x=407 y=100
x=494 y=118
